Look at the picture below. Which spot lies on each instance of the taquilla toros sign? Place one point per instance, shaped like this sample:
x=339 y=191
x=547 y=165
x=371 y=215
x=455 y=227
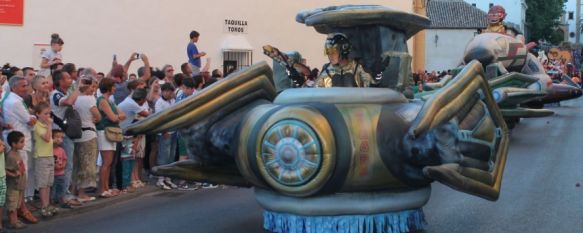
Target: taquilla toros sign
x=235 y=26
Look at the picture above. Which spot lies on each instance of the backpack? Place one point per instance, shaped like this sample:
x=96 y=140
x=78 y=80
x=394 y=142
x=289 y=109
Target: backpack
x=70 y=124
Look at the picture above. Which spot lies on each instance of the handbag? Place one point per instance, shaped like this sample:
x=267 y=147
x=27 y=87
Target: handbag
x=114 y=134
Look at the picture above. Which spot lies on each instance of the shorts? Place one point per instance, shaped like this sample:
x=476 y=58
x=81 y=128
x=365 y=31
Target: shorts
x=44 y=171
x=103 y=143
x=2 y=191
x=195 y=69
x=142 y=147
x=127 y=148
x=13 y=199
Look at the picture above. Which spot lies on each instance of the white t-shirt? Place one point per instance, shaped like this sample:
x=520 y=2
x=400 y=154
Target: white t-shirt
x=16 y=115
x=83 y=105
x=50 y=55
x=162 y=104
x=59 y=111
x=131 y=109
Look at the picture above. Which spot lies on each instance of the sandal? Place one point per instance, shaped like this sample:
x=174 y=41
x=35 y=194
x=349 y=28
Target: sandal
x=28 y=217
x=85 y=199
x=16 y=225
x=73 y=202
x=114 y=192
x=105 y=194
x=136 y=184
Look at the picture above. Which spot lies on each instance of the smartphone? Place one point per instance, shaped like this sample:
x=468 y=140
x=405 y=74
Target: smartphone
x=137 y=56
x=115 y=57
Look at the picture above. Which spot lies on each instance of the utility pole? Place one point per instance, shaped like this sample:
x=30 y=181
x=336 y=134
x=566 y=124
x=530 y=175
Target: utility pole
x=578 y=23
x=420 y=8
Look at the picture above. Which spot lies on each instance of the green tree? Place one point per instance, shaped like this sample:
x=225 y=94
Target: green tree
x=543 y=18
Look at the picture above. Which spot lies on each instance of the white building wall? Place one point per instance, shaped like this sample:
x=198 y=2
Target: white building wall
x=445 y=47
x=571 y=6
x=515 y=9
x=95 y=30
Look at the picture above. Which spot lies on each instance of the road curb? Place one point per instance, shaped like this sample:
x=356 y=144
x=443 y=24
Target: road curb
x=100 y=203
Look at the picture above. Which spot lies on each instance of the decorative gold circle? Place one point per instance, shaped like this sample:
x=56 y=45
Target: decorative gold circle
x=321 y=128
x=291 y=152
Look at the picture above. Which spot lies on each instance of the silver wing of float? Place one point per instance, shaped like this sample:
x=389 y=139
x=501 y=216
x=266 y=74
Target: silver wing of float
x=225 y=96
x=512 y=89
x=470 y=133
x=207 y=121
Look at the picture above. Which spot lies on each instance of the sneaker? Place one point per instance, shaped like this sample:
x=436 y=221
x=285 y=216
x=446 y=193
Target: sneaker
x=169 y=183
x=46 y=212
x=161 y=184
x=209 y=186
x=105 y=194
x=53 y=209
x=186 y=187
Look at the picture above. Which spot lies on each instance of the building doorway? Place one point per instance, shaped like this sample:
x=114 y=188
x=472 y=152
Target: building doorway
x=236 y=60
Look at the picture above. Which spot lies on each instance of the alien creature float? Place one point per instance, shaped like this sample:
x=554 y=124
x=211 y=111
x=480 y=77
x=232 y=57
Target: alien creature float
x=343 y=159
x=518 y=80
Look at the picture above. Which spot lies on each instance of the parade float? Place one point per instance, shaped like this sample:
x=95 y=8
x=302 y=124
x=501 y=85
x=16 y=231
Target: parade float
x=343 y=159
x=520 y=83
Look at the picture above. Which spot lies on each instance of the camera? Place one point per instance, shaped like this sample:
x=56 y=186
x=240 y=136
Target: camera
x=137 y=56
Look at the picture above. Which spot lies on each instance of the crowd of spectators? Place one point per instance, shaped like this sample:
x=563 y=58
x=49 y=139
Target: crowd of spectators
x=421 y=77
x=63 y=129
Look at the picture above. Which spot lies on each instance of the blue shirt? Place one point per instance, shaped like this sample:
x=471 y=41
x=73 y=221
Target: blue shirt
x=181 y=97
x=191 y=50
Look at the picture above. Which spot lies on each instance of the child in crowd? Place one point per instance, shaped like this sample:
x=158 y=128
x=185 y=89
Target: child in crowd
x=16 y=179
x=187 y=89
x=129 y=147
x=43 y=153
x=2 y=184
x=59 y=189
x=166 y=140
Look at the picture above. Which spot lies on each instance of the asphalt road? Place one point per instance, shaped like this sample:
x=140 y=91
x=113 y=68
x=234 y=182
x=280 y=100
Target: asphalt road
x=539 y=194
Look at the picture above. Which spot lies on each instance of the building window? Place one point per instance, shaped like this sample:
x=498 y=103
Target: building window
x=570 y=15
x=236 y=60
x=473 y=4
x=572 y=35
x=491 y=5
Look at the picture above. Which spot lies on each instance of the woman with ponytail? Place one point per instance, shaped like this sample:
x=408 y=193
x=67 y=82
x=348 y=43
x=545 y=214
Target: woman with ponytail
x=51 y=56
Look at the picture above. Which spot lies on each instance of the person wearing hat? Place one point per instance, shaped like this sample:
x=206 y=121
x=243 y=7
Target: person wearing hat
x=342 y=71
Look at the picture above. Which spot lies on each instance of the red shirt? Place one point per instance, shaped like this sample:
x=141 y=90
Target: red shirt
x=60 y=160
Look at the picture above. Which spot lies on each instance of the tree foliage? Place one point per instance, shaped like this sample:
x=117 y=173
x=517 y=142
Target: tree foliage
x=543 y=18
